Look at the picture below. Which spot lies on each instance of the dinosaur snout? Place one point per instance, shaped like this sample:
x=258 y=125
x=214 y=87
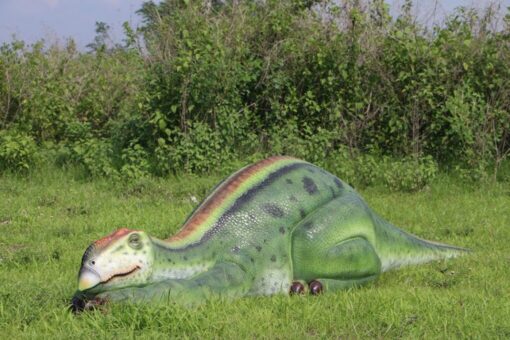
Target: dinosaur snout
x=87 y=278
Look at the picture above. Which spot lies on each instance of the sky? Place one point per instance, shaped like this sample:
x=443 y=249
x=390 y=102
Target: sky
x=56 y=20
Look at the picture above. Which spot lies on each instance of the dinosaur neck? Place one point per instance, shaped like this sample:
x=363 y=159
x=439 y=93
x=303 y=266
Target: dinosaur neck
x=177 y=263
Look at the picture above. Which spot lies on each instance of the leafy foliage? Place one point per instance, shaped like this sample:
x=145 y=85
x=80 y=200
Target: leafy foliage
x=410 y=174
x=96 y=157
x=202 y=84
x=17 y=151
x=403 y=174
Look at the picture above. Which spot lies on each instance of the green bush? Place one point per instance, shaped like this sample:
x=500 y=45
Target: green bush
x=337 y=83
x=51 y=92
x=17 y=151
x=409 y=174
x=96 y=157
x=198 y=150
x=135 y=162
x=406 y=174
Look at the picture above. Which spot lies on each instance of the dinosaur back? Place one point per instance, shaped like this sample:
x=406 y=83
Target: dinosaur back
x=277 y=190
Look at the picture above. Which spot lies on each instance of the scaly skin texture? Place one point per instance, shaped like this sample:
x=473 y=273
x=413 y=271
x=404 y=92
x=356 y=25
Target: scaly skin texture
x=272 y=227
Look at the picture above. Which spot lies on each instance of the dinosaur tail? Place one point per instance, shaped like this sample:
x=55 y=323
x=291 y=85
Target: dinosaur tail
x=398 y=248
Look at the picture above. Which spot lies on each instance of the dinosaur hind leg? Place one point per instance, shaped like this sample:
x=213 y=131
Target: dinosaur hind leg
x=350 y=263
x=332 y=247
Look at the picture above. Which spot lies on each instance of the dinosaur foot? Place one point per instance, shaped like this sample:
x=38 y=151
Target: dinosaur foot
x=315 y=287
x=297 y=288
x=80 y=304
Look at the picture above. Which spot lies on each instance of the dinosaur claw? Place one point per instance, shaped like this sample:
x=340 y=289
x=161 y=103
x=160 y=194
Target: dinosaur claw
x=95 y=303
x=315 y=287
x=77 y=304
x=80 y=303
x=297 y=288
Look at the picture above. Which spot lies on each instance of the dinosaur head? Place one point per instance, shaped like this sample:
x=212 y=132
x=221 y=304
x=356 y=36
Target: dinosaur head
x=122 y=259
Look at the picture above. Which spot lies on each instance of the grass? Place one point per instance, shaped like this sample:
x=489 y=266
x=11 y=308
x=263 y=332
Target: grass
x=48 y=219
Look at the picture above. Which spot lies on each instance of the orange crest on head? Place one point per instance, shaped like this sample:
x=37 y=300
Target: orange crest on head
x=105 y=241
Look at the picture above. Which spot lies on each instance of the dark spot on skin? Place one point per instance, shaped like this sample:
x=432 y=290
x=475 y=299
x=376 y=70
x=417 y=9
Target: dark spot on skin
x=119 y=248
x=144 y=252
x=338 y=183
x=310 y=186
x=259 y=248
x=185 y=258
x=273 y=258
x=333 y=193
x=236 y=249
x=252 y=260
x=289 y=181
x=265 y=241
x=273 y=210
x=282 y=230
x=292 y=198
x=302 y=212
x=308 y=225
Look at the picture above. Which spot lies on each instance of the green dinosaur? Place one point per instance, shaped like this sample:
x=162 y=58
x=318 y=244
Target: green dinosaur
x=281 y=225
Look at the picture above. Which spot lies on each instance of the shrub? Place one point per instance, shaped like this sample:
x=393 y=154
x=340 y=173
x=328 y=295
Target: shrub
x=339 y=82
x=198 y=150
x=17 y=151
x=96 y=156
x=409 y=174
x=135 y=162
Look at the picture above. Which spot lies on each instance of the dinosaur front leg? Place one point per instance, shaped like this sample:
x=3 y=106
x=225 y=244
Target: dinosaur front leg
x=225 y=279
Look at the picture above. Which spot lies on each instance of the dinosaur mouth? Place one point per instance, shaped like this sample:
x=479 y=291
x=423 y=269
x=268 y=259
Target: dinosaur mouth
x=129 y=272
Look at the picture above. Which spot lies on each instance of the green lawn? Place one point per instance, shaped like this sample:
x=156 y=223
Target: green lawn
x=48 y=219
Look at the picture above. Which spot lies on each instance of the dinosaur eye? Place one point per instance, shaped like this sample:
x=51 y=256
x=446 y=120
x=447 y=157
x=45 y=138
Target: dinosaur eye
x=135 y=241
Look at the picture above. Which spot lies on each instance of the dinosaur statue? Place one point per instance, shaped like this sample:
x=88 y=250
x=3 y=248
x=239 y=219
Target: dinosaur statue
x=278 y=226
